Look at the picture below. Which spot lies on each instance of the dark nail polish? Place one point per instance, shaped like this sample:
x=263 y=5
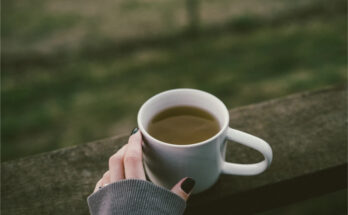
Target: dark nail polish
x=134 y=131
x=188 y=185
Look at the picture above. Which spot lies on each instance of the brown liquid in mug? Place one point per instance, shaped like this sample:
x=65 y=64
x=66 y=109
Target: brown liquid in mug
x=183 y=125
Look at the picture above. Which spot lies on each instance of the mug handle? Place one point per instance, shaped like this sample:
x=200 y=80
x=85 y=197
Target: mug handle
x=252 y=142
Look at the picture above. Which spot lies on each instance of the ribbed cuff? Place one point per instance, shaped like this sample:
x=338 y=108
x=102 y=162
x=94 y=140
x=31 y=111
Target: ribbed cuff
x=133 y=196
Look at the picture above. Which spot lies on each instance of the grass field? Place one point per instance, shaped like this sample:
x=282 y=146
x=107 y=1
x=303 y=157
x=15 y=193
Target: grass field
x=50 y=26
x=69 y=97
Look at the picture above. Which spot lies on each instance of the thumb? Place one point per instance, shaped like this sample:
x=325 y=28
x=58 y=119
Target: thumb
x=184 y=187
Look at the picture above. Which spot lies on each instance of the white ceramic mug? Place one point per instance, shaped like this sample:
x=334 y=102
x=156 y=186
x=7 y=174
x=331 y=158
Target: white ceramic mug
x=165 y=164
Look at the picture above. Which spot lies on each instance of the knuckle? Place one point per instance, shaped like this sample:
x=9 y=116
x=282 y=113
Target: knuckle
x=115 y=159
x=132 y=159
x=99 y=182
x=106 y=174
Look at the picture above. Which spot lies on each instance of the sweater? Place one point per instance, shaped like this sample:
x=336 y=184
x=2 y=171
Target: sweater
x=133 y=196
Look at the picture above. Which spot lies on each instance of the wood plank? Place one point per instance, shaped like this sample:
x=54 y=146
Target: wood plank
x=307 y=132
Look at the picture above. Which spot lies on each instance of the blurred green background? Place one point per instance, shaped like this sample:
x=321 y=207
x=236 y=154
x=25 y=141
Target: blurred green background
x=77 y=71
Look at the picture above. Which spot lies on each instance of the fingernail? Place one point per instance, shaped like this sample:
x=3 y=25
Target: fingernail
x=188 y=185
x=134 y=131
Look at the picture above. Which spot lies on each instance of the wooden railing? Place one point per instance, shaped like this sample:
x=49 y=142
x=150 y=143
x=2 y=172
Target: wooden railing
x=306 y=131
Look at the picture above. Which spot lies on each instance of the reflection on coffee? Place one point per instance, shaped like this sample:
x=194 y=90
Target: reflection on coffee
x=183 y=125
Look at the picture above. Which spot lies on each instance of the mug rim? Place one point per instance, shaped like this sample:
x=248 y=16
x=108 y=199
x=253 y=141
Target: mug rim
x=144 y=132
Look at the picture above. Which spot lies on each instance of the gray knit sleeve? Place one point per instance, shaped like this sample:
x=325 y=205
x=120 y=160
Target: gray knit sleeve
x=133 y=196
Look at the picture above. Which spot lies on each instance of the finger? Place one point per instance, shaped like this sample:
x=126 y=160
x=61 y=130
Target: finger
x=184 y=188
x=116 y=165
x=98 y=185
x=106 y=178
x=133 y=158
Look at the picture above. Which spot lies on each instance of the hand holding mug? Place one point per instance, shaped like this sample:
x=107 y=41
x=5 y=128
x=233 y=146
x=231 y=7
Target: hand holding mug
x=127 y=163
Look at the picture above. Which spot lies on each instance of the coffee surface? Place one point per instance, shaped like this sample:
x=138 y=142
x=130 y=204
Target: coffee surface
x=183 y=125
